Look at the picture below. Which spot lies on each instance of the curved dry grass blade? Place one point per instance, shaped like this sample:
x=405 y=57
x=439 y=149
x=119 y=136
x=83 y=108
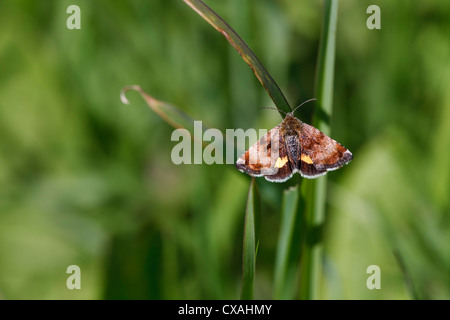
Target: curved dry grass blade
x=172 y=115
x=244 y=50
x=251 y=241
x=179 y=120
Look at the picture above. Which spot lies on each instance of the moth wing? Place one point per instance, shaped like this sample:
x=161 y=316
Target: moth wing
x=284 y=169
x=267 y=158
x=320 y=153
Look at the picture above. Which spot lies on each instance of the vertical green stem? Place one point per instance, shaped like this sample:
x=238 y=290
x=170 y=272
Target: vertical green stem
x=251 y=241
x=287 y=254
x=313 y=192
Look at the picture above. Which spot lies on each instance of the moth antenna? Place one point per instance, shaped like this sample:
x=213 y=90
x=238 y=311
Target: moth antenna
x=273 y=109
x=313 y=99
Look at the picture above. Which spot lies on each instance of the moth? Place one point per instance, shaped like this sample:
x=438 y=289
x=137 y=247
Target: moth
x=293 y=146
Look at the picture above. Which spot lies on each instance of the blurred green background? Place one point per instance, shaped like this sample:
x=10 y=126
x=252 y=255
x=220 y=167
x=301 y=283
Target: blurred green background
x=89 y=181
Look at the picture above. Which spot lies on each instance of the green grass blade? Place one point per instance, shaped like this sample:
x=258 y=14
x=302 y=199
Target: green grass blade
x=244 y=50
x=251 y=240
x=410 y=286
x=314 y=191
x=286 y=262
x=325 y=67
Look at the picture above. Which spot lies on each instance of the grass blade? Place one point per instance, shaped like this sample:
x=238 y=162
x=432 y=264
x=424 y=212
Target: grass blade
x=244 y=50
x=172 y=115
x=176 y=118
x=314 y=191
x=407 y=276
x=287 y=256
x=251 y=240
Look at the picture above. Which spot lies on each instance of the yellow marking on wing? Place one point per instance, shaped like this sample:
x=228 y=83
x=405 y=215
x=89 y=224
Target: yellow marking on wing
x=281 y=162
x=306 y=159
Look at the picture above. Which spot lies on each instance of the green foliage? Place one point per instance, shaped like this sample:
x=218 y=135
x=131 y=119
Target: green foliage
x=88 y=181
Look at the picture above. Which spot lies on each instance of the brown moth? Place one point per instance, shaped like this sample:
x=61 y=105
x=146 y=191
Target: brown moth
x=290 y=147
